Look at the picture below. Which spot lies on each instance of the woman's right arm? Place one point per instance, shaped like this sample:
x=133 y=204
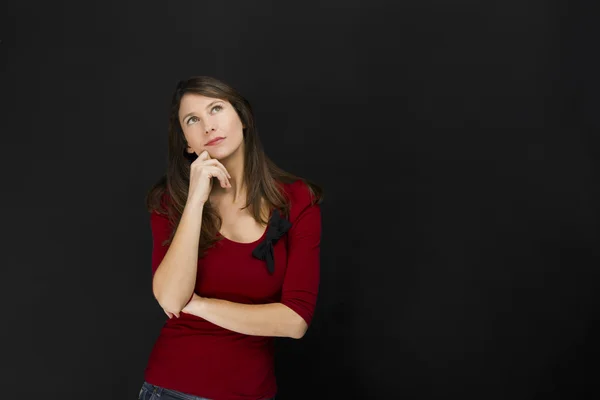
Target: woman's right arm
x=175 y=278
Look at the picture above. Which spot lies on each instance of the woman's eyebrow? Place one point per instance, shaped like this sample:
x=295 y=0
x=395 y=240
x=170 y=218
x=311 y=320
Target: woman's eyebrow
x=208 y=106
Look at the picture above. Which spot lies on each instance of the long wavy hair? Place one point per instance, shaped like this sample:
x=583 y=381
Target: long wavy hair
x=262 y=177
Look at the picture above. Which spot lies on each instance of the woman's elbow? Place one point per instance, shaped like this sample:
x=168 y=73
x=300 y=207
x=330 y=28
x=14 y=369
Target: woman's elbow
x=169 y=303
x=301 y=328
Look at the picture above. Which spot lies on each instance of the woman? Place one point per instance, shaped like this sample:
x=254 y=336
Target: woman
x=235 y=259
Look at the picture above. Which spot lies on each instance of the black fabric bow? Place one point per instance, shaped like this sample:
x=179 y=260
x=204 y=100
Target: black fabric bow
x=278 y=226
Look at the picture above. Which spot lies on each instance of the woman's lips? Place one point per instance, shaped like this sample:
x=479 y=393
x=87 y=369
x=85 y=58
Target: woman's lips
x=215 y=141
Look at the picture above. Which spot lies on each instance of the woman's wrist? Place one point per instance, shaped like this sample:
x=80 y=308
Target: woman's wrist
x=194 y=209
x=194 y=306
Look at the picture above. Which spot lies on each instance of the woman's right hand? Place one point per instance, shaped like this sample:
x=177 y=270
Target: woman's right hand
x=202 y=171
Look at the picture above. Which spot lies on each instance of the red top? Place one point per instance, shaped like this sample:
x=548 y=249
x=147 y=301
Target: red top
x=197 y=357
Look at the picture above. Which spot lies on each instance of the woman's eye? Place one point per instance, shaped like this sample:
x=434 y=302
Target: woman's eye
x=191 y=118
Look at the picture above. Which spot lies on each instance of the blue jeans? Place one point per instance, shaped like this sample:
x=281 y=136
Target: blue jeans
x=153 y=392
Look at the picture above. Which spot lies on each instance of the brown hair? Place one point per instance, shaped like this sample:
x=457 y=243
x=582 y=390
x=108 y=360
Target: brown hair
x=261 y=175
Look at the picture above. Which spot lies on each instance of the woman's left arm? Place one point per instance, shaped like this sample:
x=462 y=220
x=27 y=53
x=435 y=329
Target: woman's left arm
x=274 y=319
x=290 y=317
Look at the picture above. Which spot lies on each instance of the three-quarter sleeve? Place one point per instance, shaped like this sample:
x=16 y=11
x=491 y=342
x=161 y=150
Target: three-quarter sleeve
x=301 y=282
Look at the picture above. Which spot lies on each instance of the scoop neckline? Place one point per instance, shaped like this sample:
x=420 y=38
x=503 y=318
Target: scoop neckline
x=264 y=234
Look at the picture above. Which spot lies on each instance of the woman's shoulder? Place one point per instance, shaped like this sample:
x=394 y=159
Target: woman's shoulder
x=300 y=197
x=297 y=191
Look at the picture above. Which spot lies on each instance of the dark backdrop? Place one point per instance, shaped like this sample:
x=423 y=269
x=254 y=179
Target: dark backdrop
x=456 y=142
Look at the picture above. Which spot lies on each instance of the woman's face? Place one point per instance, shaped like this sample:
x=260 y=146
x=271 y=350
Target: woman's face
x=204 y=119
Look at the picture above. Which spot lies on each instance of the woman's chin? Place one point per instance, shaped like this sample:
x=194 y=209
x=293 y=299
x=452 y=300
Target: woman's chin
x=218 y=154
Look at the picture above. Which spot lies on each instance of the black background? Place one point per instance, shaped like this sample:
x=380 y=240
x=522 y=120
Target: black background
x=456 y=142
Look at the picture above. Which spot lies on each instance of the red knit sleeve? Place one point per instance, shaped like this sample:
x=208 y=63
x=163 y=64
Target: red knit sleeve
x=301 y=281
x=161 y=231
